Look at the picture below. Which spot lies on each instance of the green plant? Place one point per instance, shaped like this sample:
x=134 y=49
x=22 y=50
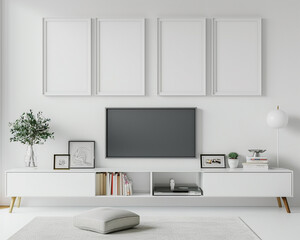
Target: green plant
x=233 y=155
x=31 y=129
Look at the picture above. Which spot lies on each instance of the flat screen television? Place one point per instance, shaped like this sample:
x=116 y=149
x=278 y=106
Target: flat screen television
x=150 y=132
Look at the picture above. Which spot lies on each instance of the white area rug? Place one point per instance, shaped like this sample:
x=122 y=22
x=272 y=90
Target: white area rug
x=206 y=228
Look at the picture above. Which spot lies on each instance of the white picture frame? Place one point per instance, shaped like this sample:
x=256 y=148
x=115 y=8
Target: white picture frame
x=236 y=57
x=67 y=57
x=181 y=57
x=120 y=63
x=82 y=154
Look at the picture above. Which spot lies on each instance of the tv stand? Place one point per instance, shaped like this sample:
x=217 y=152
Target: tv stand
x=27 y=182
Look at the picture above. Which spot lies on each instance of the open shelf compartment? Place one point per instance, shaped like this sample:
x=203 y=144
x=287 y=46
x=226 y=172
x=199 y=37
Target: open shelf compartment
x=160 y=179
x=140 y=184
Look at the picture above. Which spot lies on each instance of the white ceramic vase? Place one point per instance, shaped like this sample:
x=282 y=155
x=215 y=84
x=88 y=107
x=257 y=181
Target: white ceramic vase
x=233 y=163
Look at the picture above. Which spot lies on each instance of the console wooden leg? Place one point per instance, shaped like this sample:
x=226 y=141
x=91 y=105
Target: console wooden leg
x=286 y=204
x=18 y=202
x=279 y=202
x=12 y=203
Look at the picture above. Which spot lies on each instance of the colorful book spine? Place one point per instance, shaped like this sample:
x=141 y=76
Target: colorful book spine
x=112 y=184
x=257 y=159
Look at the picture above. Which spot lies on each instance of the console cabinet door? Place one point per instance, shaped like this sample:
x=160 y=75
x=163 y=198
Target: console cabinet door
x=247 y=184
x=50 y=184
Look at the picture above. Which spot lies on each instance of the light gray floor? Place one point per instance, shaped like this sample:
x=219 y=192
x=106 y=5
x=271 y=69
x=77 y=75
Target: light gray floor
x=270 y=223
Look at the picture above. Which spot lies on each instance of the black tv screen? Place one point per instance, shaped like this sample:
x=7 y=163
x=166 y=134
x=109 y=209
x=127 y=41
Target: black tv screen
x=150 y=132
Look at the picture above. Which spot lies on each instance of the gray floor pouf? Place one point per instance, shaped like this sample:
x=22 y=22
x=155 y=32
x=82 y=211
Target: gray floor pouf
x=106 y=220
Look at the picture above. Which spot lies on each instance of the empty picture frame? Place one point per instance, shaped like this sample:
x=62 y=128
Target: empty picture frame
x=120 y=57
x=182 y=57
x=66 y=57
x=236 y=57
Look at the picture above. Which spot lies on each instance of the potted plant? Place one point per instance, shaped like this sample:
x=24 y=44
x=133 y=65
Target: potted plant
x=233 y=160
x=31 y=129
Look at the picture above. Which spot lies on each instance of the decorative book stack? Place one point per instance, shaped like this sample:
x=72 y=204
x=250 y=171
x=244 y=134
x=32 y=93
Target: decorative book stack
x=114 y=183
x=256 y=163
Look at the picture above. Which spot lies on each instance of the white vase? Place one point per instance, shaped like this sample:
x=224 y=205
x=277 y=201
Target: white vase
x=233 y=163
x=30 y=157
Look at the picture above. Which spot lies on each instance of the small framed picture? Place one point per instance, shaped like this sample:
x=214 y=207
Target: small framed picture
x=212 y=161
x=82 y=154
x=61 y=162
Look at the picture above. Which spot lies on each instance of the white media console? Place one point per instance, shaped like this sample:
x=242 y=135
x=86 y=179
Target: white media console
x=27 y=182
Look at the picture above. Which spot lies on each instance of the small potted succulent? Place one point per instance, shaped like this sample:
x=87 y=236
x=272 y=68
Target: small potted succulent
x=233 y=160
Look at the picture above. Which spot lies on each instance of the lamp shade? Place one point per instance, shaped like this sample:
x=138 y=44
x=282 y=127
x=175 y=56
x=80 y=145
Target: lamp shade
x=277 y=118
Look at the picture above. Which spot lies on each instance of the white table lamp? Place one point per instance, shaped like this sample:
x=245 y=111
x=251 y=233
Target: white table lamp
x=277 y=119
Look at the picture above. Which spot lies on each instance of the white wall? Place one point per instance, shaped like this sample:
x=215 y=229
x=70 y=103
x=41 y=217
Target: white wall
x=224 y=124
x=1 y=15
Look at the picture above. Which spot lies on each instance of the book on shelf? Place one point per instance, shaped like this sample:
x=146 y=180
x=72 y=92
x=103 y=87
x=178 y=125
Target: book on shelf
x=107 y=184
x=113 y=183
x=97 y=184
x=118 y=184
x=104 y=184
x=257 y=159
x=111 y=186
x=121 y=183
x=101 y=184
x=256 y=163
x=255 y=166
